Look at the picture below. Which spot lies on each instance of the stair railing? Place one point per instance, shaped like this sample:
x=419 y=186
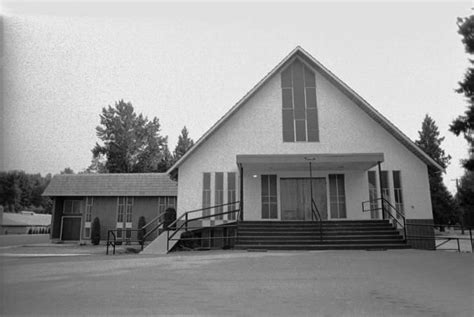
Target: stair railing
x=387 y=209
x=316 y=215
x=184 y=220
x=158 y=221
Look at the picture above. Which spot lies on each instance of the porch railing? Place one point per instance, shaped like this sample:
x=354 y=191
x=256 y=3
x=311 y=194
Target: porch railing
x=387 y=209
x=183 y=222
x=316 y=215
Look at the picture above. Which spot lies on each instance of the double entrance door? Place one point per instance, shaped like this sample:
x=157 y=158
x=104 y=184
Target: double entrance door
x=296 y=198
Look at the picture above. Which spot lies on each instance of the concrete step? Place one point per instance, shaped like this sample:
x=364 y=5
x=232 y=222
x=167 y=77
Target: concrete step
x=323 y=246
x=314 y=232
x=317 y=237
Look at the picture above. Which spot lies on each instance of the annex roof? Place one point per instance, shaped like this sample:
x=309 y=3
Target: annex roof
x=351 y=94
x=140 y=184
x=21 y=219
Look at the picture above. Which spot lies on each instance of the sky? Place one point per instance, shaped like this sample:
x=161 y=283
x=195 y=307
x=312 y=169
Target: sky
x=188 y=63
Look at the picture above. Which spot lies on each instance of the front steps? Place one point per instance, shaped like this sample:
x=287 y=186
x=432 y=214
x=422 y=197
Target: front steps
x=303 y=235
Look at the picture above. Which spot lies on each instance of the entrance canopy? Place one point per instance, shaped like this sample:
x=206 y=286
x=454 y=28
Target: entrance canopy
x=339 y=161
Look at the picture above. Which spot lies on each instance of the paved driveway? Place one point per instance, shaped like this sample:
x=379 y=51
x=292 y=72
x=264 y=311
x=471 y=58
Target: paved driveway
x=326 y=283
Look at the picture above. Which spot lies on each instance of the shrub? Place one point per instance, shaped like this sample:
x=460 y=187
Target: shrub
x=170 y=217
x=141 y=233
x=95 y=231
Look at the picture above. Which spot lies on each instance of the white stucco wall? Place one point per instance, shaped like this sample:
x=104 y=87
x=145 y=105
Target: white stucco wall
x=256 y=128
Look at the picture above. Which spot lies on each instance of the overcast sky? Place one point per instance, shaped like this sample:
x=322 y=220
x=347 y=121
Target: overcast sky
x=188 y=63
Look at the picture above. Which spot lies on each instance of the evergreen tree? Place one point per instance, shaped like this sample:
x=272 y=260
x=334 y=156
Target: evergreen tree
x=184 y=144
x=131 y=142
x=444 y=209
x=465 y=198
x=95 y=231
x=465 y=123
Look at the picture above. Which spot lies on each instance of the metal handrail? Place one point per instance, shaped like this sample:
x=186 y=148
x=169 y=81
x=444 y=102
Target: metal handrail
x=157 y=226
x=153 y=220
x=110 y=242
x=186 y=220
x=314 y=208
x=384 y=203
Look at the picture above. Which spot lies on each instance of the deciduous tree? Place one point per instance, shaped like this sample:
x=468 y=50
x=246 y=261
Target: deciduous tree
x=130 y=142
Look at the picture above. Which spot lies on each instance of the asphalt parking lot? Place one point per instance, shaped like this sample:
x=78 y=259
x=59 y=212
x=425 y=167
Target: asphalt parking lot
x=323 y=283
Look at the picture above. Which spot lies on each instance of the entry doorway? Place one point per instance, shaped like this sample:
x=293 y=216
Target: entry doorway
x=71 y=228
x=295 y=196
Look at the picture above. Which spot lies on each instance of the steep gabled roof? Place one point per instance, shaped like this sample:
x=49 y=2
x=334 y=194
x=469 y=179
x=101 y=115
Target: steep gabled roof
x=351 y=94
x=145 y=184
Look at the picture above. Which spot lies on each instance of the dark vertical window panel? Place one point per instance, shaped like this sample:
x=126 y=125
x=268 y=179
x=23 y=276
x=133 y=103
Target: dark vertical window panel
x=286 y=80
x=269 y=197
x=206 y=193
x=310 y=97
x=264 y=185
x=272 y=185
x=372 y=178
x=309 y=77
x=396 y=179
x=312 y=124
x=398 y=195
x=337 y=196
x=385 y=185
x=298 y=89
x=231 y=195
x=300 y=130
x=287 y=98
x=219 y=194
x=288 y=126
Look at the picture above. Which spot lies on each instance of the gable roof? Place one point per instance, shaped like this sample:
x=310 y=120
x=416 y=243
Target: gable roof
x=351 y=94
x=144 y=184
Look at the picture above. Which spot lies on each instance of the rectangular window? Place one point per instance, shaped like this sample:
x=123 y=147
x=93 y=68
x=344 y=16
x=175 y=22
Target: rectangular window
x=89 y=203
x=374 y=212
x=206 y=193
x=72 y=206
x=337 y=196
x=129 y=209
x=231 y=195
x=397 y=190
x=269 y=197
x=165 y=202
x=120 y=209
x=299 y=104
x=219 y=194
x=88 y=217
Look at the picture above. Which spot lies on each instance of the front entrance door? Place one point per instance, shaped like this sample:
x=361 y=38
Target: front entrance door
x=71 y=228
x=296 y=198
